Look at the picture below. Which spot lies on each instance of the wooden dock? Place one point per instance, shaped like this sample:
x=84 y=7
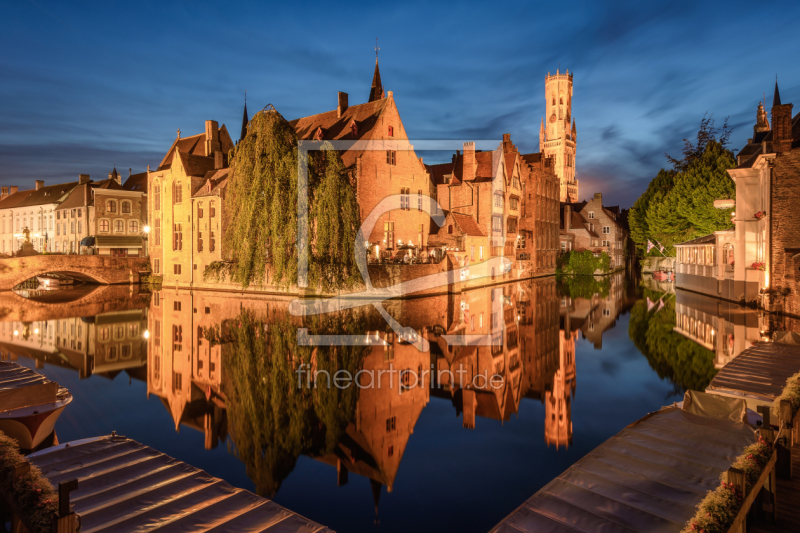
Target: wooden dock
x=788 y=503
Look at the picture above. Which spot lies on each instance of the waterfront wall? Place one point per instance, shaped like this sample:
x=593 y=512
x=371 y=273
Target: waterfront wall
x=727 y=289
x=654 y=264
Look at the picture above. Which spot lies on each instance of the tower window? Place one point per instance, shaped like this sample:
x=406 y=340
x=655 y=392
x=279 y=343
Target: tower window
x=391 y=131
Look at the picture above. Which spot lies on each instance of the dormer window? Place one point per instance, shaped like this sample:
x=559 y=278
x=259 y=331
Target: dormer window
x=318 y=134
x=391 y=131
x=353 y=129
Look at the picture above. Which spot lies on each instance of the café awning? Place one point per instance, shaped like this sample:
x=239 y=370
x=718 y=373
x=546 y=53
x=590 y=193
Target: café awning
x=118 y=241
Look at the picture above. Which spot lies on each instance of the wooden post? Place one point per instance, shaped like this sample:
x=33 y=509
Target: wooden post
x=341 y=473
x=67 y=521
x=783 y=466
x=764 y=410
x=736 y=477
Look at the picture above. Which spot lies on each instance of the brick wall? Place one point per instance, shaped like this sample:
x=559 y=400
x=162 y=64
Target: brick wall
x=785 y=198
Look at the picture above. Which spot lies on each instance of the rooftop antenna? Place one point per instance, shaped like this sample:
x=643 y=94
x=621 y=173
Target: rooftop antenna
x=376 y=49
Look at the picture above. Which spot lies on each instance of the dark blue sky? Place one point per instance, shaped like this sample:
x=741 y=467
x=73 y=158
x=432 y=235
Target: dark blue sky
x=87 y=86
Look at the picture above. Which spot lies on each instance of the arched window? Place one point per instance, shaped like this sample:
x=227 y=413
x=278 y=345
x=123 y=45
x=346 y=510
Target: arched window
x=554 y=100
x=212 y=212
x=177 y=193
x=133 y=226
x=199 y=209
x=111 y=206
x=104 y=225
x=561 y=100
x=157 y=197
x=119 y=226
x=126 y=207
x=158 y=232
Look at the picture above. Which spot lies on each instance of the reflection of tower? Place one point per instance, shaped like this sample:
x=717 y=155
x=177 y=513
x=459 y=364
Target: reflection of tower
x=558 y=400
x=557 y=135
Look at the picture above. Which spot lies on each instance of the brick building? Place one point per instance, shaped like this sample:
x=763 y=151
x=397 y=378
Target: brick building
x=381 y=162
x=501 y=202
x=101 y=217
x=591 y=226
x=557 y=139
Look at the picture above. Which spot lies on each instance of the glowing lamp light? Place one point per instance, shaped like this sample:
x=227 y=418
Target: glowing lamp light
x=146 y=334
x=36 y=331
x=16 y=333
x=146 y=229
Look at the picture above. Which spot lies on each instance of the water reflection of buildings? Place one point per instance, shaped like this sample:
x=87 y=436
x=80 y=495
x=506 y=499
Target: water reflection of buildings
x=723 y=327
x=184 y=370
x=531 y=346
x=105 y=345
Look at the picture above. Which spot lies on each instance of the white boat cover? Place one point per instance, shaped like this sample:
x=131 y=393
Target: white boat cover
x=760 y=371
x=647 y=478
x=124 y=486
x=22 y=387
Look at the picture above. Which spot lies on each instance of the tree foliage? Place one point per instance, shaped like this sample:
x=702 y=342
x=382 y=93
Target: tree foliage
x=583 y=263
x=274 y=415
x=261 y=211
x=678 y=204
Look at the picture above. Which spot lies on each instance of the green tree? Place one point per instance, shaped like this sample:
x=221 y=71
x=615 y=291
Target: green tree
x=679 y=202
x=583 y=263
x=260 y=235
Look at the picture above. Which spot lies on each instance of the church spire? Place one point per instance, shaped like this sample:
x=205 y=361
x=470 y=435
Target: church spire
x=376 y=92
x=776 y=99
x=244 y=119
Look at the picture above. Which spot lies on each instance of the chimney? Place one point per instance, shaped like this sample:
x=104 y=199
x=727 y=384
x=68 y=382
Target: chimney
x=599 y=197
x=782 y=128
x=218 y=160
x=83 y=178
x=12 y=189
x=468 y=170
x=212 y=137
x=567 y=216
x=342 y=107
x=39 y=184
x=3 y=192
x=506 y=137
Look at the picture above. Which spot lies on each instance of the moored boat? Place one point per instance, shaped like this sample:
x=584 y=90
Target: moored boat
x=30 y=404
x=663 y=275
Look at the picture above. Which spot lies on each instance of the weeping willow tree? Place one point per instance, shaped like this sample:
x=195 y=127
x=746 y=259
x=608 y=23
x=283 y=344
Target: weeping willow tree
x=273 y=417
x=260 y=234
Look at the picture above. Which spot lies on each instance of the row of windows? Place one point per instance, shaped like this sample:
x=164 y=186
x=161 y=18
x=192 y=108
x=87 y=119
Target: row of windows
x=105 y=226
x=111 y=207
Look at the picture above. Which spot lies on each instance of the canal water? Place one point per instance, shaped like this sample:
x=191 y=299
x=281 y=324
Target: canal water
x=429 y=445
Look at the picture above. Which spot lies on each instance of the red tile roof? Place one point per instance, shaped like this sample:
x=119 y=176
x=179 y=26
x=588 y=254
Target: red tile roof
x=334 y=127
x=467 y=225
x=13 y=200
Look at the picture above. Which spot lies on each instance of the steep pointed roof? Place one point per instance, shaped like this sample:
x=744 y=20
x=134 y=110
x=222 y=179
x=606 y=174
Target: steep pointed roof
x=776 y=99
x=376 y=92
x=244 y=123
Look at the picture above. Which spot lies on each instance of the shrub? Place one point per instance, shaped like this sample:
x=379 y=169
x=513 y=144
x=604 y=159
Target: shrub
x=32 y=493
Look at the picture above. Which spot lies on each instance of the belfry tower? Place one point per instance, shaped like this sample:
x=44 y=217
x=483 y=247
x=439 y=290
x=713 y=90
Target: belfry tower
x=557 y=132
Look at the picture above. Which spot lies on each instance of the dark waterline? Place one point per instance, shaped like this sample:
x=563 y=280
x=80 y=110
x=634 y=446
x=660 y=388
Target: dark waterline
x=443 y=476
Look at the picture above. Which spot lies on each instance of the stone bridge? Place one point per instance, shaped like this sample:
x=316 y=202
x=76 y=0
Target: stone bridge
x=102 y=269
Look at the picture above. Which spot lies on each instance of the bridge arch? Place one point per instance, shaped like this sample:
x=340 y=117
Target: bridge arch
x=103 y=270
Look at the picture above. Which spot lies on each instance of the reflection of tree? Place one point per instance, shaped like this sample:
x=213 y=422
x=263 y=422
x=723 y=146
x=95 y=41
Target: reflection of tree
x=272 y=419
x=685 y=363
x=584 y=286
